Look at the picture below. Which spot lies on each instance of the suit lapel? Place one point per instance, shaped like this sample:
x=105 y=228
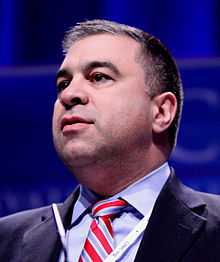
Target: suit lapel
x=41 y=243
x=174 y=224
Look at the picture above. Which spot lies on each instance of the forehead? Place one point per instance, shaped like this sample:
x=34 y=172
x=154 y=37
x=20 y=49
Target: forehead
x=121 y=50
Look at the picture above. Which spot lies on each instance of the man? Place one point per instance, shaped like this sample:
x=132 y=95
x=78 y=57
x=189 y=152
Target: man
x=115 y=124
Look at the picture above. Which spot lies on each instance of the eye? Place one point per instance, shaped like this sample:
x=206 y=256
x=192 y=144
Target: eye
x=61 y=85
x=98 y=77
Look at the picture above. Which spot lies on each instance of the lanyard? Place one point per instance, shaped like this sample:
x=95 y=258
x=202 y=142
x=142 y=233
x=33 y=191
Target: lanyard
x=129 y=239
x=119 y=250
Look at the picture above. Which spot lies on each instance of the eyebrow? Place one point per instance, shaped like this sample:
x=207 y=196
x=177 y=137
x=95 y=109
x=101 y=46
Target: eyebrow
x=88 y=67
x=95 y=64
x=62 y=73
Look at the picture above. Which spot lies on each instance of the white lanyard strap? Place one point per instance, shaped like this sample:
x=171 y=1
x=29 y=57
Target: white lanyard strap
x=129 y=239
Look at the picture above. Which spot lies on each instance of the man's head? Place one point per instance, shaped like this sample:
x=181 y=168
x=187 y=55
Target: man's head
x=162 y=74
x=117 y=98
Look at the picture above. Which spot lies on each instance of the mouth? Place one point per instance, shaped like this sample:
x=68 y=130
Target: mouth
x=74 y=123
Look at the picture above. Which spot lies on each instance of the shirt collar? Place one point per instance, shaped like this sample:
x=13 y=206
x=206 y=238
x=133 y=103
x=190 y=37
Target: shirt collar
x=148 y=186
x=85 y=200
x=143 y=194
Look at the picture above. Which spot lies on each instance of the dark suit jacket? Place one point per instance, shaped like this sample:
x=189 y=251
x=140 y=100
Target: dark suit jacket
x=184 y=226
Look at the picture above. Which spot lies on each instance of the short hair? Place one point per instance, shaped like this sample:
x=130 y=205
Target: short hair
x=162 y=74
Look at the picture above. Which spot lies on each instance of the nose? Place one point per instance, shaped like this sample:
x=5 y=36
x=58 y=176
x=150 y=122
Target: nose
x=74 y=94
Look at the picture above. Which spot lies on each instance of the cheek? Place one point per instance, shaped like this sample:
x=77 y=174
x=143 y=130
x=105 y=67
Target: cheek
x=126 y=115
x=56 y=116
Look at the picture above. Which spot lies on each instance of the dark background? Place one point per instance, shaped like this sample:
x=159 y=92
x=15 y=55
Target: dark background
x=30 y=53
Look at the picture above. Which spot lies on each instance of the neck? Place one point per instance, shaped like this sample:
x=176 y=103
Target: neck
x=112 y=176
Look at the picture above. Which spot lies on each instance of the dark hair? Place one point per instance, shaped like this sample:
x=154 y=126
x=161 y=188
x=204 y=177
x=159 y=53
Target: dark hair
x=162 y=74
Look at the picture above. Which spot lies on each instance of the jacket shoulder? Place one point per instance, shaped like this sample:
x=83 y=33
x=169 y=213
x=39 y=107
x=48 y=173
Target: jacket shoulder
x=212 y=202
x=13 y=228
x=17 y=223
x=24 y=219
x=193 y=199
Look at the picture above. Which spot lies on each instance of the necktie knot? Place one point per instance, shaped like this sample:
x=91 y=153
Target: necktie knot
x=108 y=207
x=100 y=242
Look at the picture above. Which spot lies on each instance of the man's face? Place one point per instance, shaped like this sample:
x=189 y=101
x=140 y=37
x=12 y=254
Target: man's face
x=103 y=111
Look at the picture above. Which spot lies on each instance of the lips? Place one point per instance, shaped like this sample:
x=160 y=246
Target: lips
x=72 y=121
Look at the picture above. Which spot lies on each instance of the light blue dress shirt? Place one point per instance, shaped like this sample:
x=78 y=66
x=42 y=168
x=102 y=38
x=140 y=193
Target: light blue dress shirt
x=141 y=197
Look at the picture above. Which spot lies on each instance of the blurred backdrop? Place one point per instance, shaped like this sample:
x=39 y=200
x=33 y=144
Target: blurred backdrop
x=30 y=53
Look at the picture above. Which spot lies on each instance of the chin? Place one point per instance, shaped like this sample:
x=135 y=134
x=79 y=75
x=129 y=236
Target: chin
x=77 y=156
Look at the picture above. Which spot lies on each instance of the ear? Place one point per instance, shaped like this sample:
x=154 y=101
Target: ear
x=164 y=111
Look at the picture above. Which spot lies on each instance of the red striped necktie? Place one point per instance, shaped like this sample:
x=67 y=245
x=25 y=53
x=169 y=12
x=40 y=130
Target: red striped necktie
x=99 y=242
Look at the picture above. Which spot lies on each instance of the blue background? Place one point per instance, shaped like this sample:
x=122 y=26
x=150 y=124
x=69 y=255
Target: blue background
x=30 y=53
